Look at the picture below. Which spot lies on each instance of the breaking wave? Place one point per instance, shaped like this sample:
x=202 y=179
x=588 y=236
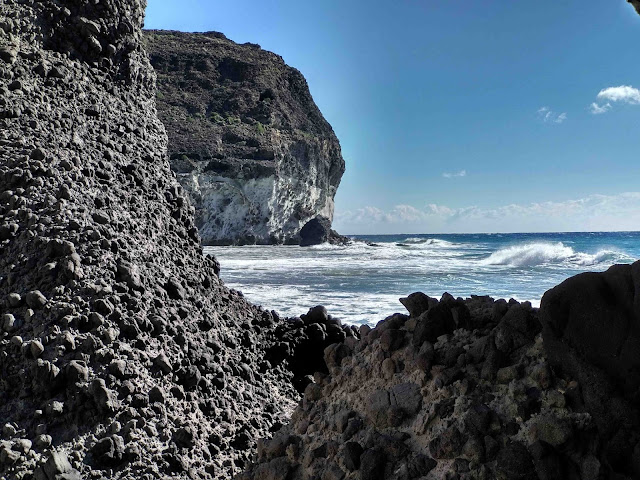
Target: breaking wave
x=533 y=254
x=362 y=282
x=435 y=242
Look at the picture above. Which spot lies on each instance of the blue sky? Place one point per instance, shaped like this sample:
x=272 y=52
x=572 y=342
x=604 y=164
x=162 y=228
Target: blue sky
x=461 y=116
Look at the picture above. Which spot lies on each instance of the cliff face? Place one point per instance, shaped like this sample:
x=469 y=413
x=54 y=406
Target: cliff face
x=246 y=140
x=122 y=355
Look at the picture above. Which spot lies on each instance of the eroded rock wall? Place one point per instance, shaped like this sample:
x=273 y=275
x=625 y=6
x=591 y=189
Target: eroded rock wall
x=246 y=140
x=122 y=355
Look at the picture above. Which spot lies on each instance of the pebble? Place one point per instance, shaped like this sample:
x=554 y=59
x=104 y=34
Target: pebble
x=35 y=299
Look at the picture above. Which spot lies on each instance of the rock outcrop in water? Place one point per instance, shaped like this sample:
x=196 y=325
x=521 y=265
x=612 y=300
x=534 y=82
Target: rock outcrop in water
x=122 y=354
x=246 y=140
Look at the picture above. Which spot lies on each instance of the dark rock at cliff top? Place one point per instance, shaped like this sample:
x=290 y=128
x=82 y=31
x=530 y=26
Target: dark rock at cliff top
x=122 y=354
x=246 y=139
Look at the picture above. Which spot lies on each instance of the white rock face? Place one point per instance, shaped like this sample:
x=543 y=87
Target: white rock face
x=264 y=209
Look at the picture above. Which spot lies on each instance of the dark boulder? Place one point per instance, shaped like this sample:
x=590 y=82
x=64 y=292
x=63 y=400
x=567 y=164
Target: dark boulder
x=372 y=463
x=597 y=316
x=515 y=463
x=417 y=303
x=433 y=323
x=315 y=231
x=591 y=332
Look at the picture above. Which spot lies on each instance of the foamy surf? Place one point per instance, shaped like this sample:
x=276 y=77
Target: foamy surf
x=436 y=242
x=362 y=282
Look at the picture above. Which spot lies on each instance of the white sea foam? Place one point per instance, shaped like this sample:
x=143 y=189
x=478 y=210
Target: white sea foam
x=436 y=242
x=361 y=282
x=533 y=254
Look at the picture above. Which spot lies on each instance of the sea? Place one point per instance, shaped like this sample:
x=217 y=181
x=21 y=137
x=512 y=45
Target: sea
x=361 y=283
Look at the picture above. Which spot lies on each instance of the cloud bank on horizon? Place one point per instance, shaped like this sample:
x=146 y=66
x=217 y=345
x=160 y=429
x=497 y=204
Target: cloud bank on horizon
x=592 y=213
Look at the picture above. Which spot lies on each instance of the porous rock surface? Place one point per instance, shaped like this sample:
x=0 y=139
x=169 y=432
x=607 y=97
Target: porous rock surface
x=122 y=354
x=458 y=389
x=246 y=139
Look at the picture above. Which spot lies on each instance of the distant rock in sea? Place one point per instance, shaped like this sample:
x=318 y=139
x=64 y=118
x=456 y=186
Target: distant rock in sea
x=246 y=139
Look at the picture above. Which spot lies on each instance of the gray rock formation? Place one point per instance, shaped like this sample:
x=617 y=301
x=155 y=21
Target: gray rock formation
x=122 y=354
x=246 y=140
x=460 y=389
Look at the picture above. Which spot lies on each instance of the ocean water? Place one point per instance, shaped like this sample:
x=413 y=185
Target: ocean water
x=362 y=282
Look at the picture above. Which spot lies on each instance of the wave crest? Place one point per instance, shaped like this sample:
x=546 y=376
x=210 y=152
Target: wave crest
x=533 y=254
x=427 y=241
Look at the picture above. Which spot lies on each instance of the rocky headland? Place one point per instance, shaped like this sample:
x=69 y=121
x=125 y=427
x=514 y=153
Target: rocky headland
x=246 y=140
x=123 y=355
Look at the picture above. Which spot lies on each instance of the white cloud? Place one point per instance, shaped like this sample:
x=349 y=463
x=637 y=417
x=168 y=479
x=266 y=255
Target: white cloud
x=599 y=109
x=593 y=213
x=623 y=93
x=549 y=116
x=461 y=173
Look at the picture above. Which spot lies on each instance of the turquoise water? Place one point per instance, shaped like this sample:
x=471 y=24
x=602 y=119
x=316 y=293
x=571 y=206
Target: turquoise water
x=361 y=283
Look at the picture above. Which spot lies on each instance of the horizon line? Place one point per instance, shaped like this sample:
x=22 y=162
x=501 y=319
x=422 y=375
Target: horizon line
x=495 y=233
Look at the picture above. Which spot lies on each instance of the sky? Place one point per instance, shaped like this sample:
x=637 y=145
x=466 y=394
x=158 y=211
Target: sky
x=460 y=117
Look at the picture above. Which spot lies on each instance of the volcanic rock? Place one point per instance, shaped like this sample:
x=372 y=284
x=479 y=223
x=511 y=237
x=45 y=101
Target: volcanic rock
x=591 y=330
x=427 y=409
x=105 y=365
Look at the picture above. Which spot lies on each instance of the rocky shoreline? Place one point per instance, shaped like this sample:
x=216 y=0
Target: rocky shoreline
x=123 y=355
x=476 y=389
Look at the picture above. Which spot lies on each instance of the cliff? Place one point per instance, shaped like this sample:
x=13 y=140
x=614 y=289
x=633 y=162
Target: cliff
x=122 y=354
x=246 y=140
